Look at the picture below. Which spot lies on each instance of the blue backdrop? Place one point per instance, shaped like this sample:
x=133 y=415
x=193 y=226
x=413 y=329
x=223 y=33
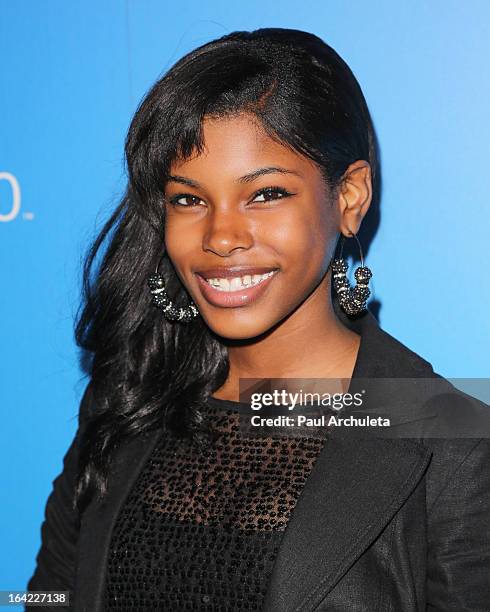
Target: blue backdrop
x=72 y=74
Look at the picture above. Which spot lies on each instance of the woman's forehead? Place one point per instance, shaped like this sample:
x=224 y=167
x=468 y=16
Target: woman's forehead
x=238 y=145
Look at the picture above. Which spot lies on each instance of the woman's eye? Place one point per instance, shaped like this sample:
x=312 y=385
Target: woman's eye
x=179 y=200
x=271 y=193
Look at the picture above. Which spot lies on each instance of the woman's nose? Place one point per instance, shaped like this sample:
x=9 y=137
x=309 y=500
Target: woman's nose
x=226 y=231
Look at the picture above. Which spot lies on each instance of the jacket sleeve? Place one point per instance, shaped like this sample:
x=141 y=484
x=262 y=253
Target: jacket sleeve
x=56 y=559
x=459 y=537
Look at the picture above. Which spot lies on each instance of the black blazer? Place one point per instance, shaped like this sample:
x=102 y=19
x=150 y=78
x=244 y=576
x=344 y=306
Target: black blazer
x=399 y=525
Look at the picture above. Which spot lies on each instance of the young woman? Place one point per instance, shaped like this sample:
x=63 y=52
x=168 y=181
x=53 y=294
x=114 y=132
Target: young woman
x=246 y=162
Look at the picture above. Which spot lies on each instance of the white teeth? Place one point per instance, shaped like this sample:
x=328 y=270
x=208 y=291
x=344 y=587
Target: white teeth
x=238 y=283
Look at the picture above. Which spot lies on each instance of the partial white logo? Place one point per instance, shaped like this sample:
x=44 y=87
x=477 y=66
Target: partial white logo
x=15 y=199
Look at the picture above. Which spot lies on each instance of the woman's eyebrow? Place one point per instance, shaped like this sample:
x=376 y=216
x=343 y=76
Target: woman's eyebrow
x=251 y=176
x=246 y=178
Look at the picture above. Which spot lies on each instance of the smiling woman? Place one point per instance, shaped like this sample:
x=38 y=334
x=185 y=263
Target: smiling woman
x=247 y=161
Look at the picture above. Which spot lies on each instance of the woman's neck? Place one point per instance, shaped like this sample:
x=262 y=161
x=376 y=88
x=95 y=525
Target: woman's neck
x=310 y=343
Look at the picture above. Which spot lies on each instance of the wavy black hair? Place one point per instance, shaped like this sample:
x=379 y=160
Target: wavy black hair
x=146 y=372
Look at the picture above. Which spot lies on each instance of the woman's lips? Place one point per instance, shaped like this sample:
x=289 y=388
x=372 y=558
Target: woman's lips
x=232 y=299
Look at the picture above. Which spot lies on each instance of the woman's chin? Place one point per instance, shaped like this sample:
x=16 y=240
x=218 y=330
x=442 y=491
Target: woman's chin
x=239 y=328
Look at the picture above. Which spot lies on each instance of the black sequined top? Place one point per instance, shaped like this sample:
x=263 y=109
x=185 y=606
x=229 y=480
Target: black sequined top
x=200 y=530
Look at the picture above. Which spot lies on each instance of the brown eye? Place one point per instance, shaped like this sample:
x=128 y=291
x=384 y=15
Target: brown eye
x=179 y=200
x=271 y=193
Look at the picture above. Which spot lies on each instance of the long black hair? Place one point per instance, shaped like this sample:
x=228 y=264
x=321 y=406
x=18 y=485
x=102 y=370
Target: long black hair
x=145 y=372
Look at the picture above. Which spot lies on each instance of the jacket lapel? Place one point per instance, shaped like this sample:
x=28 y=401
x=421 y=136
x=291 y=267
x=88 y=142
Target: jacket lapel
x=348 y=499
x=99 y=519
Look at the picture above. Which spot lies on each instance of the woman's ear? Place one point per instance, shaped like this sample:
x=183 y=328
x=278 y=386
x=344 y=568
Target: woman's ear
x=354 y=196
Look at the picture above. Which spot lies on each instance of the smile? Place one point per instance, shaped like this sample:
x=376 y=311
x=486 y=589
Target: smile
x=238 y=283
x=236 y=290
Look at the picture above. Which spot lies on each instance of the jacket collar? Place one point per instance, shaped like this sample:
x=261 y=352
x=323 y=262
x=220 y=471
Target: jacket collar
x=354 y=489
x=380 y=354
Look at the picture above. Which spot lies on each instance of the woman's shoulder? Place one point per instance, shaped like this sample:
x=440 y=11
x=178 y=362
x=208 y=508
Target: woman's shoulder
x=389 y=355
x=443 y=416
x=425 y=404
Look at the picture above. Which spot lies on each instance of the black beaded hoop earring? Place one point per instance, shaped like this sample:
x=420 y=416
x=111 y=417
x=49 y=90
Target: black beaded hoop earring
x=351 y=300
x=162 y=300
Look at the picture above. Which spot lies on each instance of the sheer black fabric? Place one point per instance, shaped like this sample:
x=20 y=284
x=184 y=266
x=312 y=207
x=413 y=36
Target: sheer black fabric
x=201 y=530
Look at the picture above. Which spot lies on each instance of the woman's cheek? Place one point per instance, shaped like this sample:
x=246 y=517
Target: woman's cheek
x=180 y=240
